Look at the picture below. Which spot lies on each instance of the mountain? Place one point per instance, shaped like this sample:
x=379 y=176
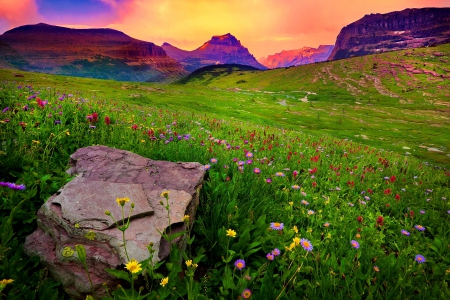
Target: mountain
x=221 y=49
x=303 y=56
x=97 y=53
x=410 y=28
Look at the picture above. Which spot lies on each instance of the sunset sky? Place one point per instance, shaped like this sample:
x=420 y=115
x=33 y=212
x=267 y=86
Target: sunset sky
x=263 y=26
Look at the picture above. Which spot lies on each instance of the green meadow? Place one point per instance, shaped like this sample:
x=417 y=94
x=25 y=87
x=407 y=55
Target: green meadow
x=325 y=180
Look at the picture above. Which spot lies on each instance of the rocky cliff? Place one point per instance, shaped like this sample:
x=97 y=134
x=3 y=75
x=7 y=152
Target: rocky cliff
x=97 y=53
x=303 y=56
x=377 y=33
x=222 y=49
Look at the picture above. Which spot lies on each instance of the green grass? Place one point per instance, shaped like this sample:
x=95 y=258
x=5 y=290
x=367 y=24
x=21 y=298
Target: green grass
x=327 y=180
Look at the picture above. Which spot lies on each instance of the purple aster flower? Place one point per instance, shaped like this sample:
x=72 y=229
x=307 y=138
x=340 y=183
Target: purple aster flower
x=249 y=162
x=256 y=170
x=213 y=160
x=5 y=110
x=404 y=232
x=419 y=227
x=306 y=244
x=355 y=244
x=420 y=259
x=11 y=185
x=422 y=212
x=279 y=174
x=57 y=122
x=239 y=264
x=296 y=187
x=311 y=212
x=241 y=163
x=304 y=202
x=269 y=256
x=268 y=180
x=276 y=226
x=249 y=155
x=207 y=167
x=91 y=126
x=276 y=252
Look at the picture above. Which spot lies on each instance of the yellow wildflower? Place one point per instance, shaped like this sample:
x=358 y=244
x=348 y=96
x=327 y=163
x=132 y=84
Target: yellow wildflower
x=142 y=141
x=5 y=282
x=189 y=263
x=165 y=194
x=77 y=225
x=36 y=142
x=186 y=218
x=310 y=230
x=296 y=241
x=291 y=203
x=68 y=133
x=122 y=201
x=164 y=281
x=231 y=233
x=295 y=229
x=133 y=266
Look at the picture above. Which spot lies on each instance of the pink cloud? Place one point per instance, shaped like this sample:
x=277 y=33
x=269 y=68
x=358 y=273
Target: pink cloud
x=14 y=13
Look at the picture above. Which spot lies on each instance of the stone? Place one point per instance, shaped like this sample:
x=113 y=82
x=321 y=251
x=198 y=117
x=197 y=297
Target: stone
x=76 y=215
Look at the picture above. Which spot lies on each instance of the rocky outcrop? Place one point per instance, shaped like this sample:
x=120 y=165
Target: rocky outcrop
x=221 y=49
x=96 y=53
x=303 y=56
x=76 y=215
x=410 y=28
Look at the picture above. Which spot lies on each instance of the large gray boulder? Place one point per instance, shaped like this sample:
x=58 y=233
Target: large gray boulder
x=76 y=214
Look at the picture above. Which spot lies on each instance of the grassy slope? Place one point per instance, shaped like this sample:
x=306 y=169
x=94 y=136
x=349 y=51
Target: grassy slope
x=365 y=99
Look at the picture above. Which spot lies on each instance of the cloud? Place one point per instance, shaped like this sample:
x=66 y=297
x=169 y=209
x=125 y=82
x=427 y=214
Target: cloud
x=14 y=13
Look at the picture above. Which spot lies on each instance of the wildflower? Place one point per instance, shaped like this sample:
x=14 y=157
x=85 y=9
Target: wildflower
x=422 y=212
x=5 y=282
x=358 y=236
x=296 y=241
x=311 y=212
x=239 y=264
x=249 y=162
x=189 y=263
x=360 y=219
x=276 y=252
x=295 y=173
x=213 y=160
x=249 y=155
x=304 y=202
x=397 y=197
x=279 y=174
x=5 y=110
x=296 y=187
x=13 y=186
x=164 y=281
x=269 y=256
x=350 y=204
x=404 y=232
x=90 y=235
x=133 y=266
x=376 y=269
x=419 y=227
x=231 y=233
x=186 y=218
x=276 y=226
x=91 y=126
x=268 y=180
x=207 y=167
x=380 y=221
x=122 y=201
x=326 y=224
x=107 y=120
x=57 y=122
x=420 y=259
x=134 y=127
x=387 y=191
x=295 y=229
x=246 y=294
x=256 y=170
x=355 y=244
x=306 y=245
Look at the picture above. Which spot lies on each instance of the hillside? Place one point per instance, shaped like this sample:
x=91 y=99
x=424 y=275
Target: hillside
x=95 y=53
x=376 y=33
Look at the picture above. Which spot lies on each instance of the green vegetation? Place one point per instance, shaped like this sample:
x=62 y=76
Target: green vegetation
x=349 y=220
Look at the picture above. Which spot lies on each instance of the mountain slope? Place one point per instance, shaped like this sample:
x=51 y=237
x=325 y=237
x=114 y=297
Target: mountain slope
x=410 y=28
x=303 y=56
x=98 y=53
x=223 y=49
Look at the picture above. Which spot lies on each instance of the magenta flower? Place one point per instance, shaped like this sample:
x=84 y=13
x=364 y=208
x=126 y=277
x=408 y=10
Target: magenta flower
x=355 y=244
x=239 y=264
x=306 y=244
x=269 y=256
x=276 y=252
x=256 y=170
x=404 y=232
x=420 y=259
x=276 y=226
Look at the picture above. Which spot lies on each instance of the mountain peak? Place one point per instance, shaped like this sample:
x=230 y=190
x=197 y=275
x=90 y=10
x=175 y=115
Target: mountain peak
x=225 y=40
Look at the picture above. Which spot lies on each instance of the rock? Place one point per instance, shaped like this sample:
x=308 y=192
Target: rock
x=76 y=215
x=435 y=150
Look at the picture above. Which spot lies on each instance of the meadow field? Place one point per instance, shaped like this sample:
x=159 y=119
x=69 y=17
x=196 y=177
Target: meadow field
x=323 y=181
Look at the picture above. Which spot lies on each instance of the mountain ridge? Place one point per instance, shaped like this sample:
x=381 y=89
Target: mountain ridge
x=297 y=57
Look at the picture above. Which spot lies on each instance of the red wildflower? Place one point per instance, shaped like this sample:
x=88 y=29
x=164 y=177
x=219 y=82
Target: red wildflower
x=397 y=197
x=314 y=184
x=360 y=219
x=370 y=191
x=351 y=183
x=380 y=221
x=411 y=214
x=388 y=205
x=392 y=179
x=94 y=117
x=315 y=158
x=134 y=127
x=387 y=192
x=313 y=171
x=107 y=120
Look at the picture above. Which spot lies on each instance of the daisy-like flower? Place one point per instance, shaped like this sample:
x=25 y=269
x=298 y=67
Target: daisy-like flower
x=270 y=256
x=276 y=226
x=122 y=201
x=189 y=263
x=246 y=294
x=249 y=155
x=419 y=227
x=422 y=212
x=304 y=202
x=420 y=259
x=213 y=160
x=276 y=252
x=279 y=174
x=306 y=245
x=311 y=212
x=207 y=167
x=231 y=233
x=256 y=170
x=355 y=244
x=164 y=281
x=296 y=187
x=404 y=232
x=239 y=264
x=296 y=241
x=186 y=218
x=376 y=269
x=327 y=224
x=133 y=266
x=268 y=180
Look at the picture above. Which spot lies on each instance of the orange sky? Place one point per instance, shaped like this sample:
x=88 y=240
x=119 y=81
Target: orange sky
x=263 y=26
